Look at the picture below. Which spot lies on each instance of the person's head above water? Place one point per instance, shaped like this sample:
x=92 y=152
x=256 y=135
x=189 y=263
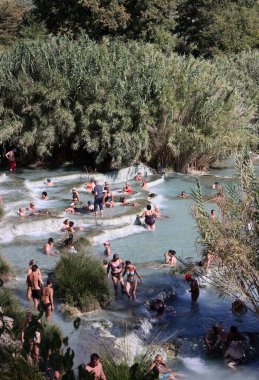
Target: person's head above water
x=50 y=240
x=171 y=252
x=44 y=195
x=148 y=207
x=48 y=180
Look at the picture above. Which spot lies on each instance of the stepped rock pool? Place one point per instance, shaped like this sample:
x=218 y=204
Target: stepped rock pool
x=22 y=239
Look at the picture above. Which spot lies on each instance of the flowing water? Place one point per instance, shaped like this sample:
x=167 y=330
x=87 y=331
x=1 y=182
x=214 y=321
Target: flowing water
x=22 y=239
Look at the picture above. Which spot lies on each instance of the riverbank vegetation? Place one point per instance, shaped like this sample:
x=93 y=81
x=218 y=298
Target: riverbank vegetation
x=233 y=237
x=122 y=92
x=81 y=281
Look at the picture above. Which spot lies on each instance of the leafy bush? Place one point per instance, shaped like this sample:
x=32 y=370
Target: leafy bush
x=82 y=281
x=5 y=270
x=79 y=99
x=11 y=308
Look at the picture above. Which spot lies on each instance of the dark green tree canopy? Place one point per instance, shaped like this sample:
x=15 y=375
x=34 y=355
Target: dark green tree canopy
x=208 y=27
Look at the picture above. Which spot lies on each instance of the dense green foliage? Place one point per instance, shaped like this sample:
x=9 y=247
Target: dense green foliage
x=10 y=306
x=118 y=103
x=82 y=281
x=6 y=271
x=233 y=237
x=209 y=27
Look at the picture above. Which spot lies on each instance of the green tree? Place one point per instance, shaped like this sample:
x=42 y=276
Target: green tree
x=97 y=18
x=11 y=16
x=233 y=237
x=209 y=27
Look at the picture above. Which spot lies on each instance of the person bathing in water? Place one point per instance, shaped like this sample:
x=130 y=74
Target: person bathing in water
x=159 y=369
x=49 y=248
x=138 y=177
x=194 y=287
x=44 y=195
x=75 y=195
x=170 y=258
x=131 y=282
x=107 y=248
x=127 y=188
x=116 y=266
x=150 y=218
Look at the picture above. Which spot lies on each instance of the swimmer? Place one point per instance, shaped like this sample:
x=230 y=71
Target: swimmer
x=71 y=209
x=116 y=266
x=11 y=159
x=44 y=195
x=170 y=258
x=150 y=197
x=71 y=226
x=212 y=215
x=216 y=185
x=65 y=225
x=107 y=249
x=47 y=299
x=194 y=287
x=49 y=182
x=150 y=218
x=131 y=281
x=138 y=177
x=32 y=208
x=160 y=369
x=183 y=195
x=75 y=195
x=22 y=211
x=127 y=188
x=144 y=185
x=49 y=247
x=125 y=203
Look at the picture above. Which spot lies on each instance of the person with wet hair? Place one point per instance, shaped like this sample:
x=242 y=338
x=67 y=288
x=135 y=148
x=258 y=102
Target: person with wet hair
x=71 y=227
x=44 y=195
x=116 y=265
x=138 y=177
x=22 y=211
x=49 y=182
x=95 y=368
x=170 y=258
x=65 y=225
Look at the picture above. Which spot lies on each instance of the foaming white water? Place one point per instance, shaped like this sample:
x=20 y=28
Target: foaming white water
x=196 y=365
x=156 y=182
x=118 y=233
x=3 y=177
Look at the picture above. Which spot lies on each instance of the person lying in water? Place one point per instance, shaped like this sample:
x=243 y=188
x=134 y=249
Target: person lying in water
x=35 y=211
x=160 y=369
x=125 y=203
x=183 y=195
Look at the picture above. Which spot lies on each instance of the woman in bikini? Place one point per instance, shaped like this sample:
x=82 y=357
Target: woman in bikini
x=131 y=282
x=150 y=218
x=47 y=299
x=75 y=195
x=116 y=265
x=107 y=249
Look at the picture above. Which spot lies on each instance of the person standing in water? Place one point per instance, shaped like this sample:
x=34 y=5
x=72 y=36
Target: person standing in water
x=36 y=283
x=47 y=299
x=150 y=218
x=28 y=281
x=11 y=159
x=194 y=287
x=131 y=282
x=116 y=266
x=98 y=198
x=107 y=249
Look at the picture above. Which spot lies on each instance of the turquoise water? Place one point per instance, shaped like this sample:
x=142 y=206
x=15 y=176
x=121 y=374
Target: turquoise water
x=22 y=239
